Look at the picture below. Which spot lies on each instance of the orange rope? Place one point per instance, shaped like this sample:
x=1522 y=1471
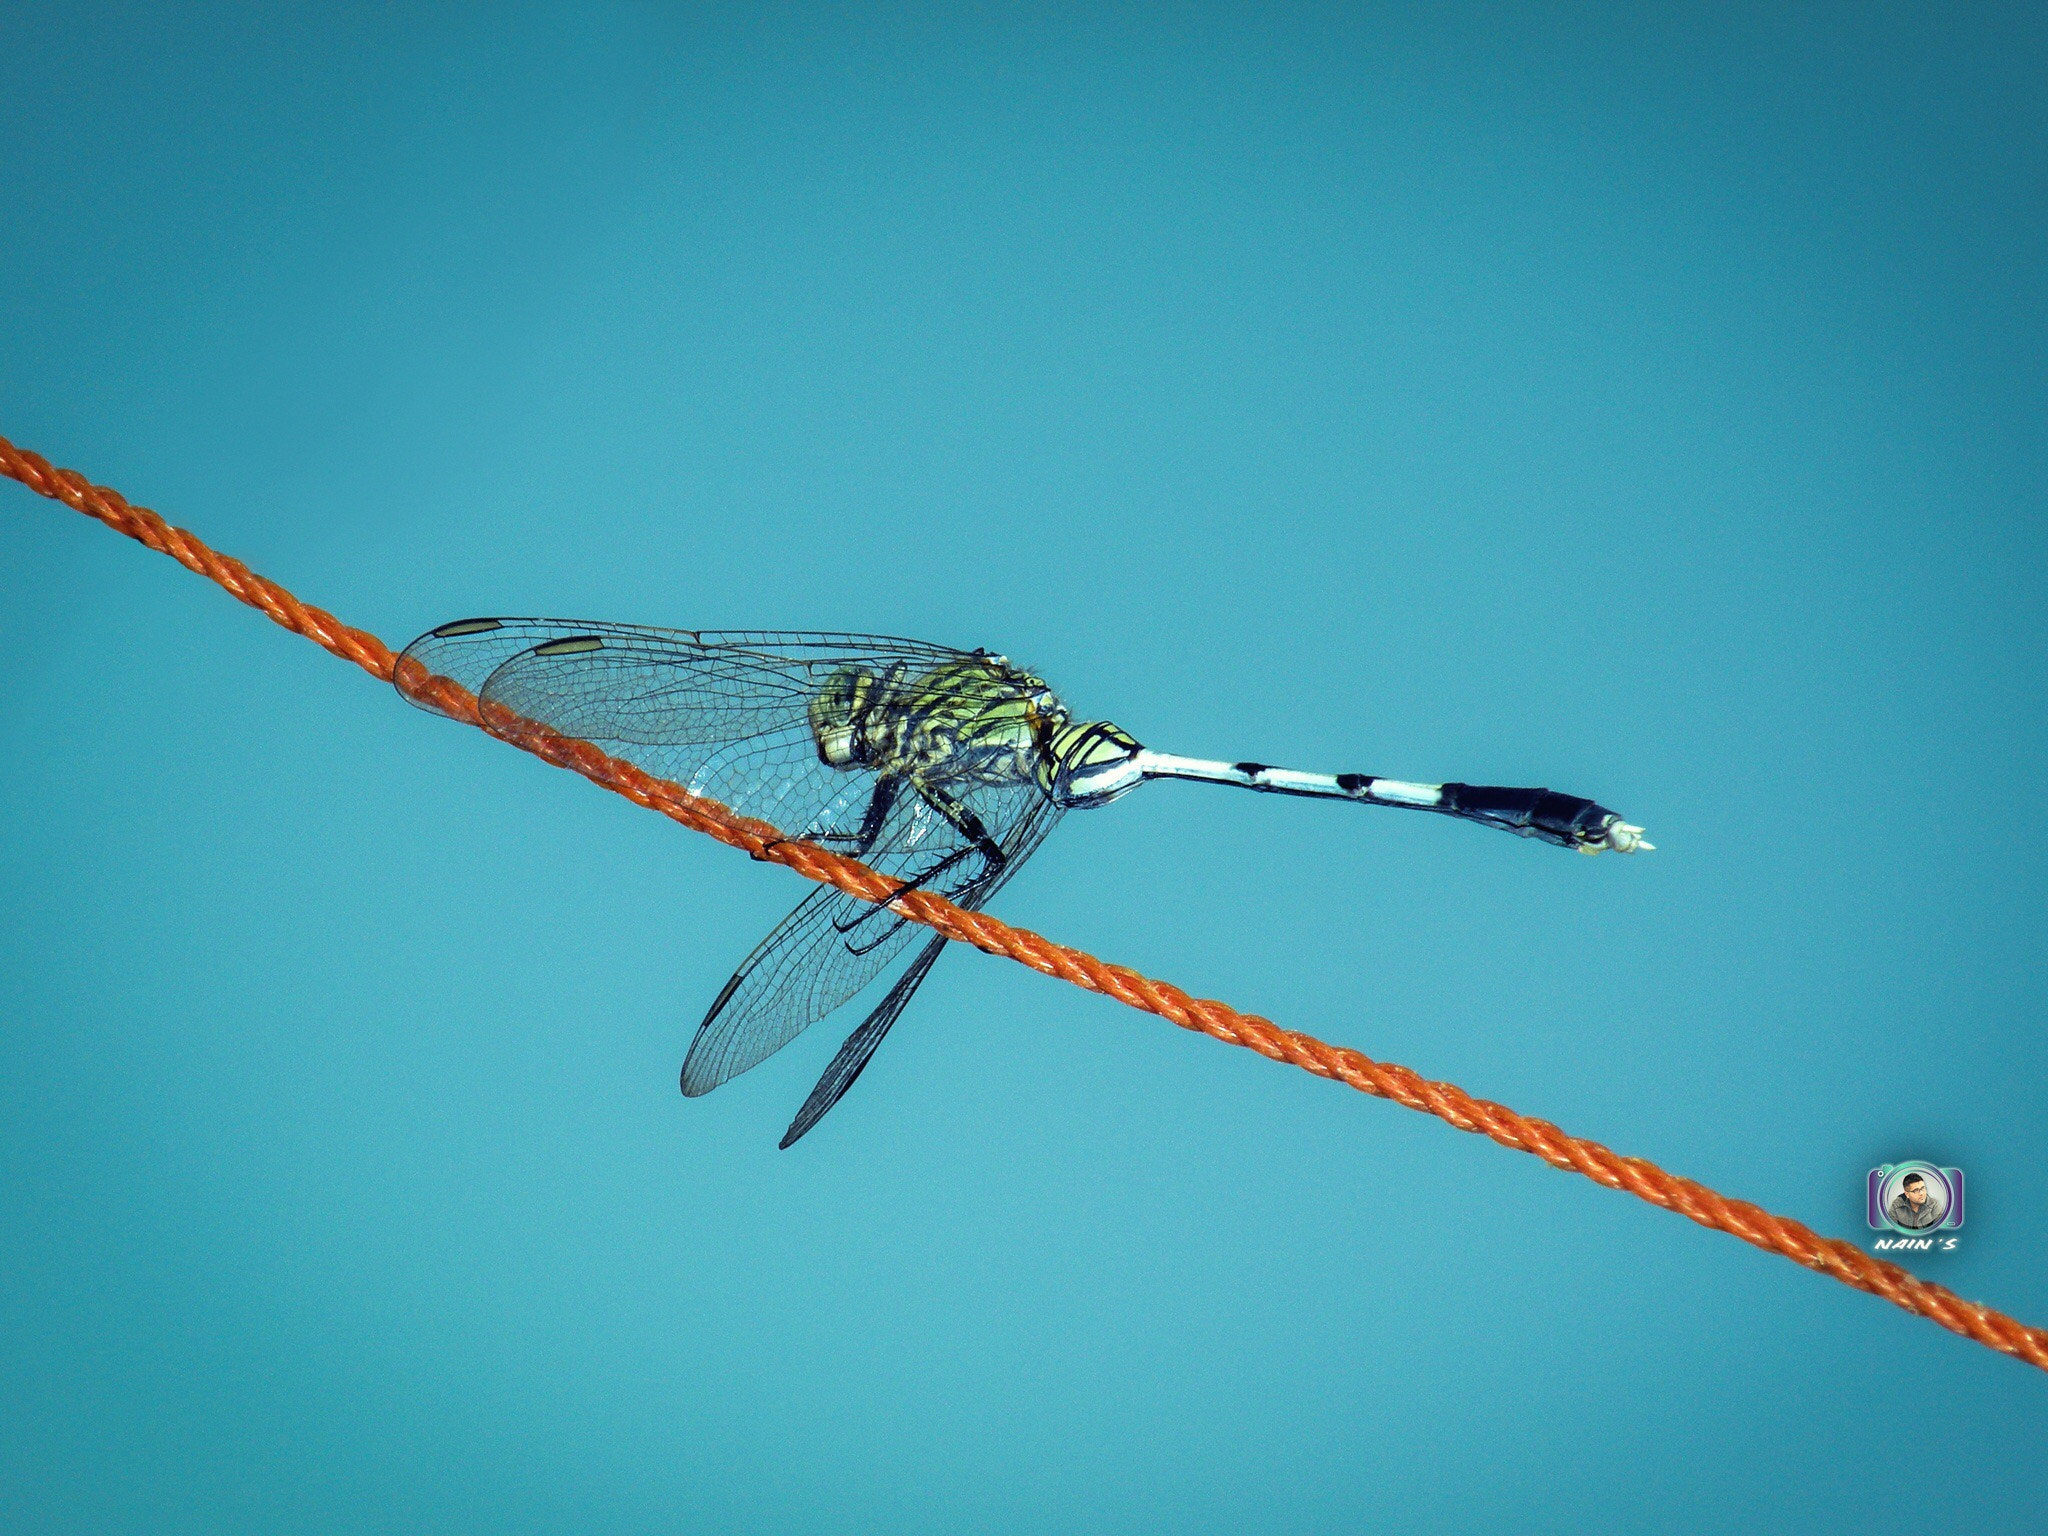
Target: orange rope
x=1775 y=1234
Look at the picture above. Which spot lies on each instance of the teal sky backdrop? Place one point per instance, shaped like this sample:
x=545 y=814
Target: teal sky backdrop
x=1649 y=408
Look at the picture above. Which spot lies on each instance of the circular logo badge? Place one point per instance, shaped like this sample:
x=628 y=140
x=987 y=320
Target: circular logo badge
x=1915 y=1197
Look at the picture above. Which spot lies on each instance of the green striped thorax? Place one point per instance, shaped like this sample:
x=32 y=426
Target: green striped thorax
x=975 y=721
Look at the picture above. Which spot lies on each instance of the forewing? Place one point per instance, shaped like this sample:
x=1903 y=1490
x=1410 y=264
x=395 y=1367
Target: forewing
x=469 y=650
x=833 y=944
x=794 y=977
x=723 y=713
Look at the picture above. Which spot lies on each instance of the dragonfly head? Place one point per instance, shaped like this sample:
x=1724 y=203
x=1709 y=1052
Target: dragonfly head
x=836 y=713
x=1089 y=763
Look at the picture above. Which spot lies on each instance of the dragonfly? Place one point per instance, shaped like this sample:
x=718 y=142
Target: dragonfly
x=942 y=768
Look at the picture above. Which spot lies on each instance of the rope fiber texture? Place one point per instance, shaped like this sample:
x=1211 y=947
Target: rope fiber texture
x=1645 y=1180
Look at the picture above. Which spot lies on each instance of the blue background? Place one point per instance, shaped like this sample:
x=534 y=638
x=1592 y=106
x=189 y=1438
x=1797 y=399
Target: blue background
x=1523 y=395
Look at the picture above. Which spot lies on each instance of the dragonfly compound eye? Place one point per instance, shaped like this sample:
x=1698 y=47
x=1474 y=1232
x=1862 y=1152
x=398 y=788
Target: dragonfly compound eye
x=1093 y=763
x=837 y=712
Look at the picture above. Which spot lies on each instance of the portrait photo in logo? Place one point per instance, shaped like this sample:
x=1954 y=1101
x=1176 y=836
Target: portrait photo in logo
x=1915 y=1198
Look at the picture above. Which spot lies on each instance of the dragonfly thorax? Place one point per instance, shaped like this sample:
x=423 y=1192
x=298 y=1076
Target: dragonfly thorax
x=973 y=721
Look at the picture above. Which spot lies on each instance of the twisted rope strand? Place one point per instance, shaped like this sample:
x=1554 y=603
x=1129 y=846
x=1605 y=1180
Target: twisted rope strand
x=1448 y=1102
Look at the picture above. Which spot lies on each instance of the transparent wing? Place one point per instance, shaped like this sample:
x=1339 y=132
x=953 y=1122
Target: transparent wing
x=725 y=714
x=860 y=1045
x=798 y=974
x=722 y=713
x=470 y=650
x=833 y=945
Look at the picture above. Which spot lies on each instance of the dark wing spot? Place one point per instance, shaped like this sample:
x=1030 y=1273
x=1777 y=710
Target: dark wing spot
x=1251 y=770
x=467 y=627
x=1354 y=783
x=570 y=646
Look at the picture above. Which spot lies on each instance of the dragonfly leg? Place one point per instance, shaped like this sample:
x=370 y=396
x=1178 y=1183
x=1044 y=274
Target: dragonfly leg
x=879 y=806
x=966 y=823
x=969 y=826
x=880 y=803
x=918 y=883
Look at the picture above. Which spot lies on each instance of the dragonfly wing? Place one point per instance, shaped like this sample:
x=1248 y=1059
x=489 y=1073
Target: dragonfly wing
x=470 y=650
x=860 y=1045
x=833 y=944
x=724 y=714
x=797 y=975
